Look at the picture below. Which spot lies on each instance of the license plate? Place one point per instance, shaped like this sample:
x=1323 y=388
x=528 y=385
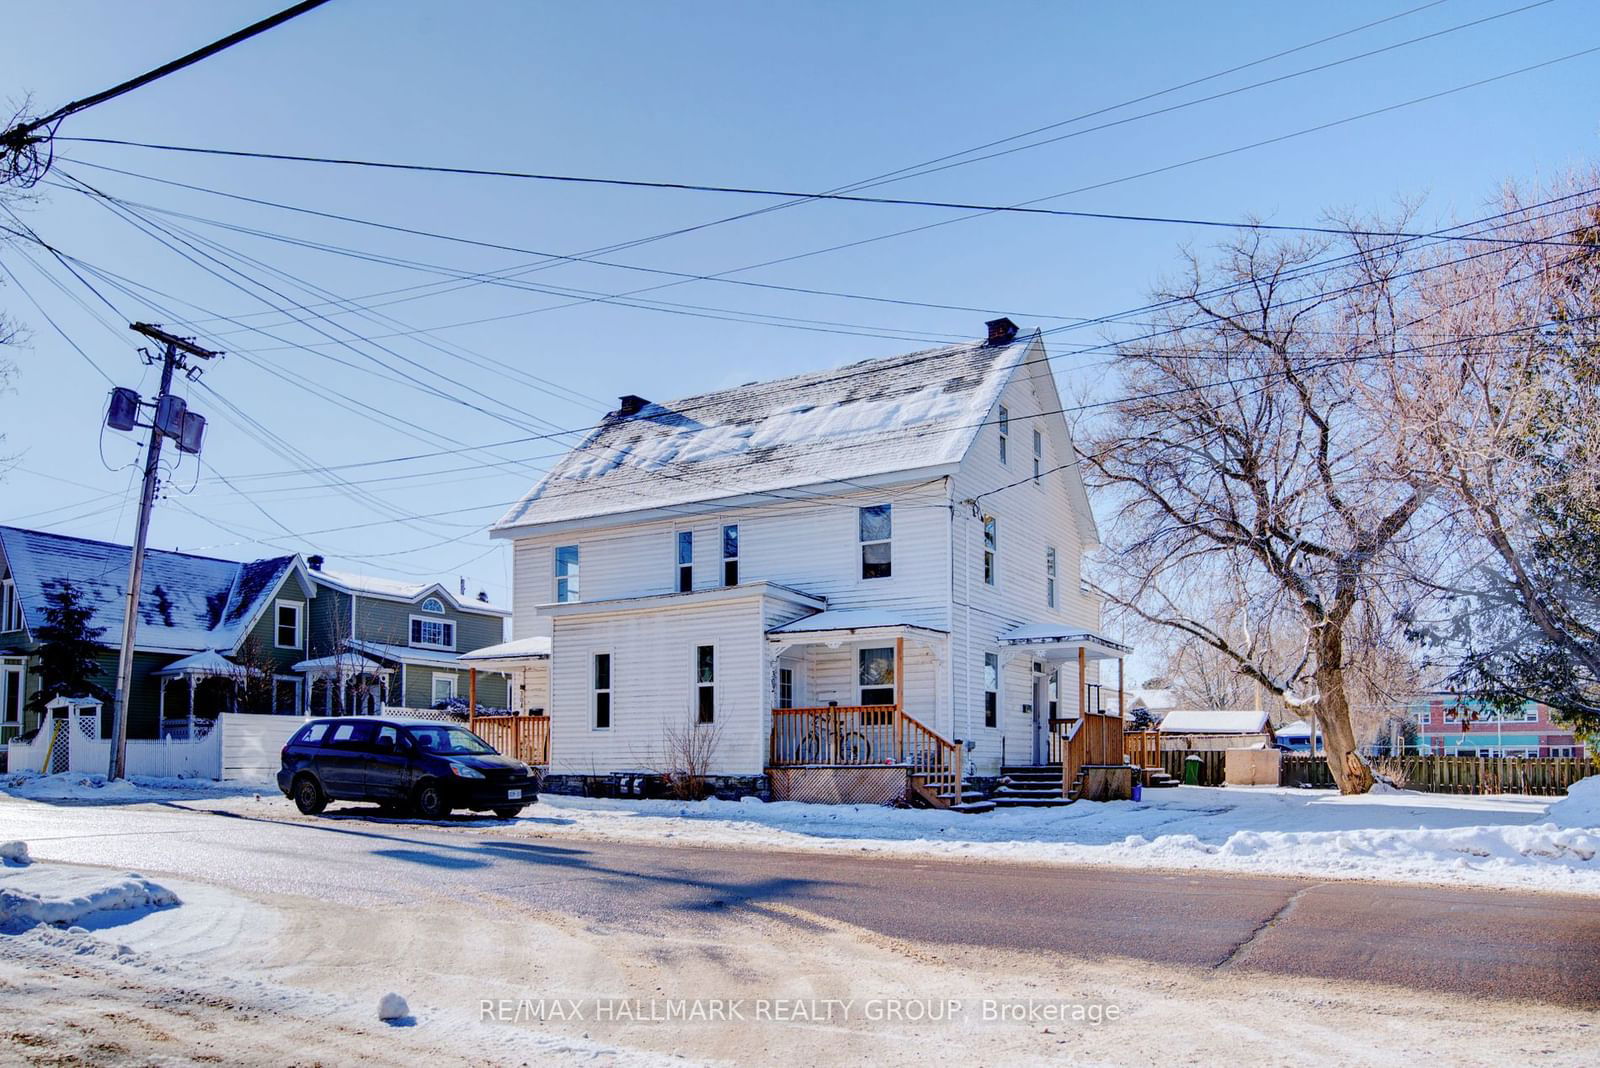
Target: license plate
x=513 y=795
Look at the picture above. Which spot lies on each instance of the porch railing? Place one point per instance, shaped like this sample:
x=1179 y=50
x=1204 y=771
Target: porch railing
x=859 y=735
x=1143 y=748
x=527 y=738
x=1093 y=738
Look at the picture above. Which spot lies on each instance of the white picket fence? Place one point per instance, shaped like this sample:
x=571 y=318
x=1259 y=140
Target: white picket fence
x=240 y=746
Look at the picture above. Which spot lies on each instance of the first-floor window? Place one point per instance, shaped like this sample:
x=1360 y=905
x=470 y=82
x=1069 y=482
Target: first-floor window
x=991 y=689
x=876 y=676
x=11 y=679
x=786 y=687
x=705 y=683
x=444 y=688
x=286 y=696
x=288 y=629
x=602 y=691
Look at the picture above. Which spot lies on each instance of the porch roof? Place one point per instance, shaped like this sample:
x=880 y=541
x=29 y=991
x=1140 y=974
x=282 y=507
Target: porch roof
x=404 y=654
x=343 y=663
x=508 y=654
x=664 y=601
x=850 y=621
x=209 y=662
x=1055 y=641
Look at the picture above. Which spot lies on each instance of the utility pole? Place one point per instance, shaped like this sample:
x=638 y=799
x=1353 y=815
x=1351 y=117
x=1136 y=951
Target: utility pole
x=171 y=419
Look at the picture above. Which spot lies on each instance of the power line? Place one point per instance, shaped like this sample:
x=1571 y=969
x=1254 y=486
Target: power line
x=19 y=147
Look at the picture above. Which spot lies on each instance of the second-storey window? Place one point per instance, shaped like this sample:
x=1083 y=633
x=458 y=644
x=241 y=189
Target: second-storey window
x=991 y=545
x=730 y=555
x=1038 y=453
x=566 y=574
x=602 y=691
x=705 y=683
x=288 y=624
x=437 y=633
x=1005 y=431
x=876 y=525
x=685 y=561
x=10 y=607
x=991 y=689
x=1050 y=576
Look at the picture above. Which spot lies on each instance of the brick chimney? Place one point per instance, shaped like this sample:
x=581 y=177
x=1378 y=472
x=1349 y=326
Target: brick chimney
x=1002 y=331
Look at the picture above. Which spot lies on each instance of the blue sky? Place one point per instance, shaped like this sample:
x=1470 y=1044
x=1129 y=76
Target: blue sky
x=808 y=96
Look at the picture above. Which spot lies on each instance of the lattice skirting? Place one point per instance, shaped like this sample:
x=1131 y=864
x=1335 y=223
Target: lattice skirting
x=839 y=785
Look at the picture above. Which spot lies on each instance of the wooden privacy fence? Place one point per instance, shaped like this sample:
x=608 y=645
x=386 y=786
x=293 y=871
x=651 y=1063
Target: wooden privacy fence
x=1213 y=765
x=1544 y=776
x=527 y=738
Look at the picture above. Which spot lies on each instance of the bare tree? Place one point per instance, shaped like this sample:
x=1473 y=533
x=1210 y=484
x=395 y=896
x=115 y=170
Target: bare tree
x=1240 y=461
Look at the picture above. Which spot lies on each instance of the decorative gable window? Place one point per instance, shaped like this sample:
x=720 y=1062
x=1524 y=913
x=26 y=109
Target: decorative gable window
x=685 y=561
x=875 y=527
x=1005 y=430
x=10 y=607
x=433 y=633
x=991 y=544
x=434 y=605
x=1050 y=576
x=286 y=632
x=566 y=574
x=730 y=555
x=1038 y=453
x=705 y=683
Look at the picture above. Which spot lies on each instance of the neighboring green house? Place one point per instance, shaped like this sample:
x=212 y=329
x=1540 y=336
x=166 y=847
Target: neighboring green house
x=272 y=635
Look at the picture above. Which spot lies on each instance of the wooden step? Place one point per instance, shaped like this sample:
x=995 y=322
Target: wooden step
x=973 y=808
x=1031 y=802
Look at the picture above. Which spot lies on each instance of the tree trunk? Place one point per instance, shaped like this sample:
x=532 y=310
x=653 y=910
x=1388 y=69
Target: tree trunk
x=1332 y=714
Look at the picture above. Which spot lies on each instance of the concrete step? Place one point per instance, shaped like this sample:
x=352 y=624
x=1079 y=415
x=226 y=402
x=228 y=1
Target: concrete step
x=1053 y=790
x=973 y=808
x=1031 y=802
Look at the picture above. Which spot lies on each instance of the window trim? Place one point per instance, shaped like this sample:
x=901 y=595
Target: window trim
x=299 y=607
x=734 y=559
x=781 y=699
x=610 y=690
x=683 y=570
x=438 y=606
x=9 y=670
x=1004 y=419
x=574 y=579
x=991 y=710
x=10 y=607
x=862 y=687
x=989 y=543
x=433 y=686
x=1050 y=566
x=697 y=686
x=299 y=694
x=1038 y=454
x=862 y=541
x=417 y=643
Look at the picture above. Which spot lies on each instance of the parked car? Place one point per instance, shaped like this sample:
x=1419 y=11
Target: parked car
x=420 y=766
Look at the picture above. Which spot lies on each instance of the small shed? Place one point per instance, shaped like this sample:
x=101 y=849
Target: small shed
x=1198 y=730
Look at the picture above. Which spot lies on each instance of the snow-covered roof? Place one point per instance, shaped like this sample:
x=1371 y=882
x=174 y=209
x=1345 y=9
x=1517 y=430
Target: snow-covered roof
x=875 y=418
x=341 y=662
x=399 y=590
x=187 y=603
x=1155 y=699
x=207 y=662
x=1213 y=721
x=404 y=653
x=851 y=619
x=521 y=649
x=1297 y=729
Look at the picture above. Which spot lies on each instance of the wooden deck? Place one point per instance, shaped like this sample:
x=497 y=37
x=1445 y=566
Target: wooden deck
x=862 y=735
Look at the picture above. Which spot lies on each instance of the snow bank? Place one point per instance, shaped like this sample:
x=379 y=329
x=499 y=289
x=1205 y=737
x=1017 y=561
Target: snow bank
x=60 y=896
x=83 y=787
x=1581 y=806
x=1509 y=841
x=14 y=854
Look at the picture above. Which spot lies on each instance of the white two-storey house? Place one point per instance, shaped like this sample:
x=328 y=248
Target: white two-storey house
x=875 y=566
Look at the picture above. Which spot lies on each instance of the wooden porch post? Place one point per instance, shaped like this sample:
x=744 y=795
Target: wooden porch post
x=191 y=707
x=899 y=694
x=1122 y=712
x=472 y=691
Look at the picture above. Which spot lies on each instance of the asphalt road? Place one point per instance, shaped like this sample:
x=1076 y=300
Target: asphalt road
x=1480 y=943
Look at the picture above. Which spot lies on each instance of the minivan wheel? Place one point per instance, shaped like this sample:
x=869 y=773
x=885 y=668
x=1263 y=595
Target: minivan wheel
x=509 y=812
x=308 y=796
x=429 y=802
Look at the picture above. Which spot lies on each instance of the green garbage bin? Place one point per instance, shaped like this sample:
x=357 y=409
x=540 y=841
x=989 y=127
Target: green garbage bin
x=1191 y=771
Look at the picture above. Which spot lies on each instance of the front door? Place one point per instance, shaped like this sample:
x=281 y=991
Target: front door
x=1041 y=719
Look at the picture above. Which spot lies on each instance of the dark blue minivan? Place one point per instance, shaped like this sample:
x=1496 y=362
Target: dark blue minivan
x=404 y=765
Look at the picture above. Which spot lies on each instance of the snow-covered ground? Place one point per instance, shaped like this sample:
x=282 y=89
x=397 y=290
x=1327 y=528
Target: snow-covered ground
x=95 y=789
x=1507 y=841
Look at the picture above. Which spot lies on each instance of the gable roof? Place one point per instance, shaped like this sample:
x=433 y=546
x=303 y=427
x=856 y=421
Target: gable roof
x=875 y=418
x=187 y=603
x=399 y=590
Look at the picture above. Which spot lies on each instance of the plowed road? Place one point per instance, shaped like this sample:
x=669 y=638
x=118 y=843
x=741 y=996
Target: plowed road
x=1480 y=943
